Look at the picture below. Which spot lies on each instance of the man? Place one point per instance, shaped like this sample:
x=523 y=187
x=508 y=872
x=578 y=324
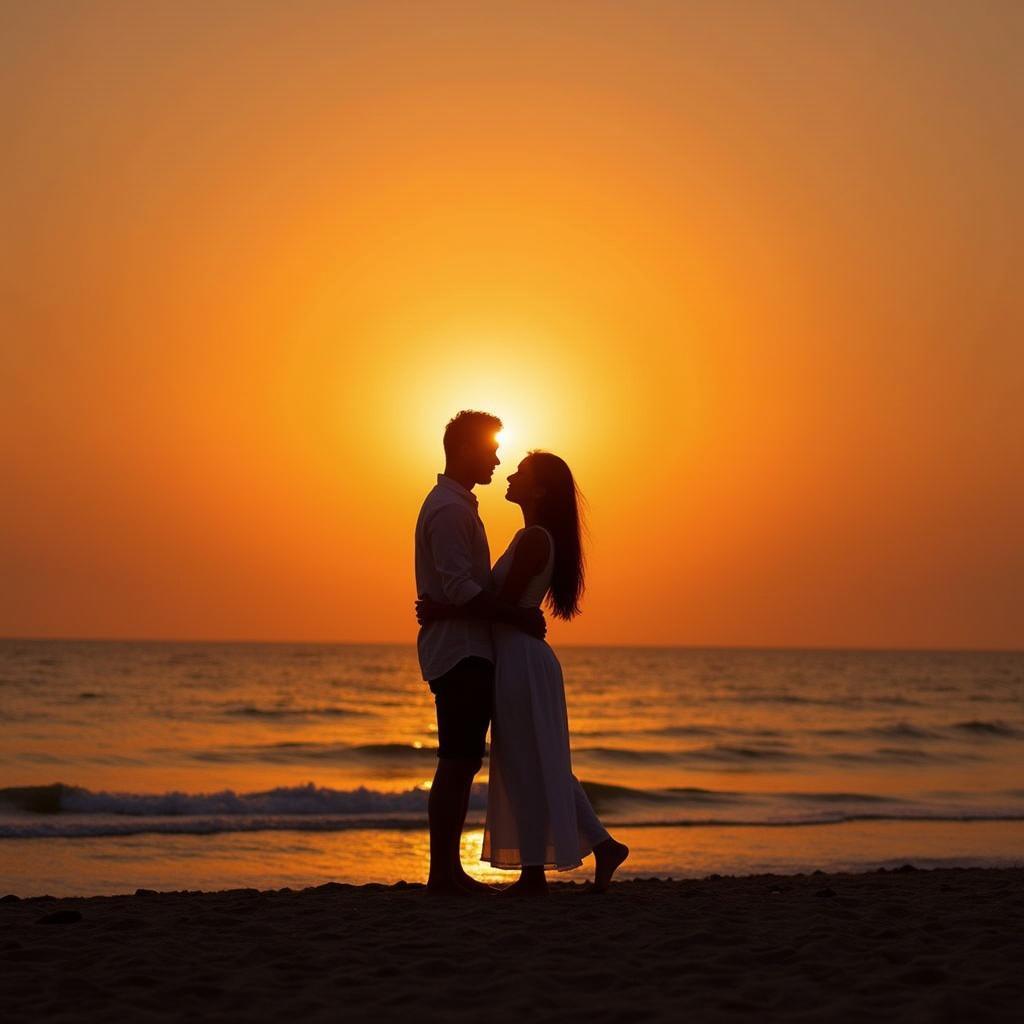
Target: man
x=453 y=567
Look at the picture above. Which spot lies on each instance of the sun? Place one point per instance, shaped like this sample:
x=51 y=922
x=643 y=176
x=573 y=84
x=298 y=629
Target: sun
x=521 y=376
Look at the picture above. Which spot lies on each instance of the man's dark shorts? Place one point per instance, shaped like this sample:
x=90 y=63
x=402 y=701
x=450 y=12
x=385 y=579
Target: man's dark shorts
x=464 y=697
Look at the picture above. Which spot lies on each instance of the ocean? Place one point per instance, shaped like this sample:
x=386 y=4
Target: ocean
x=227 y=765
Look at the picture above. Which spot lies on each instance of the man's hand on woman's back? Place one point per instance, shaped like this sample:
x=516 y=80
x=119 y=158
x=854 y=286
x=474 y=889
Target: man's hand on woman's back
x=483 y=606
x=532 y=621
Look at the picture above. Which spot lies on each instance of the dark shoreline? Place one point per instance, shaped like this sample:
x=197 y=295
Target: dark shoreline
x=940 y=944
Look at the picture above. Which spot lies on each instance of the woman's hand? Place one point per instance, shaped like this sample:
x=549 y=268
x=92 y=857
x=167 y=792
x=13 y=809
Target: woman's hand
x=428 y=610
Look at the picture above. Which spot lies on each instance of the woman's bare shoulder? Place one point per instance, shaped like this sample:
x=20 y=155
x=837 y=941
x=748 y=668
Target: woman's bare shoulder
x=533 y=547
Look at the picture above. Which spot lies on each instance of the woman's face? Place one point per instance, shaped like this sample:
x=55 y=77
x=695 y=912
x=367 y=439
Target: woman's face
x=521 y=486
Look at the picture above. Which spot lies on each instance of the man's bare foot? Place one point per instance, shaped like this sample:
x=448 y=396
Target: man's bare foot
x=608 y=856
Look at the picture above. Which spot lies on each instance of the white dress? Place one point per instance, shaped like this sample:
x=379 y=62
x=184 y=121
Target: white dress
x=537 y=811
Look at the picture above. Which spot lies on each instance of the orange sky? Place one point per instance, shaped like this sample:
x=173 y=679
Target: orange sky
x=749 y=267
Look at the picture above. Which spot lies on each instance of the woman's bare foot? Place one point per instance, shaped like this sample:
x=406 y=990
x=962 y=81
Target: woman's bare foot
x=531 y=883
x=608 y=856
x=474 y=886
x=447 y=890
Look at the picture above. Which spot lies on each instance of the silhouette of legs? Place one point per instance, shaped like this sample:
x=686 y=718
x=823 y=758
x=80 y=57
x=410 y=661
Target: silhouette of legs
x=446 y=809
x=464 y=698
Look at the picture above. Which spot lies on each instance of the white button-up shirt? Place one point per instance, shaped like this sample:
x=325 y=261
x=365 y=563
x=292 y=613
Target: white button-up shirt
x=453 y=565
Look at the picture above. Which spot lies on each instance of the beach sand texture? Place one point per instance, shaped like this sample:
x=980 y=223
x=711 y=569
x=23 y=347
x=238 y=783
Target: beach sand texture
x=938 y=945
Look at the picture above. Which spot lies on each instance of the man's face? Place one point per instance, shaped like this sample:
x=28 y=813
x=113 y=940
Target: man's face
x=486 y=461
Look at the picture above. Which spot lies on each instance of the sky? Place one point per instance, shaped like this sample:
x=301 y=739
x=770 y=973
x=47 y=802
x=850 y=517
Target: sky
x=751 y=268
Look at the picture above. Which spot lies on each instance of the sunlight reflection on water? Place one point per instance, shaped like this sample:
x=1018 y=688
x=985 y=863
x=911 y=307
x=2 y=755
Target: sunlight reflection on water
x=67 y=867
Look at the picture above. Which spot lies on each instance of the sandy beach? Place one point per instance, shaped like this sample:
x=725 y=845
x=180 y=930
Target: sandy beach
x=899 y=945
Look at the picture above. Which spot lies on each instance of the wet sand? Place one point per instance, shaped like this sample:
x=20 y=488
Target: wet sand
x=940 y=945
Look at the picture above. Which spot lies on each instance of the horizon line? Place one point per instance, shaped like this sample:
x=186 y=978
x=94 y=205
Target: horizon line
x=601 y=646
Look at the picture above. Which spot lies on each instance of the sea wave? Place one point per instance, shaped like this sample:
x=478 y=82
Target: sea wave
x=982 y=728
x=298 y=751
x=741 y=753
x=97 y=826
x=60 y=810
x=309 y=799
x=624 y=754
x=843 y=798
x=715 y=753
x=254 y=711
x=59 y=798
x=899 y=730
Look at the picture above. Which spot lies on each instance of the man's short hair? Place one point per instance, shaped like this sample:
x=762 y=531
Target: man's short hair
x=469 y=426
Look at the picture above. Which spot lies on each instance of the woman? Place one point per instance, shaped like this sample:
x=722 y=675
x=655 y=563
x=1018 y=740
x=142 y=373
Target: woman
x=538 y=815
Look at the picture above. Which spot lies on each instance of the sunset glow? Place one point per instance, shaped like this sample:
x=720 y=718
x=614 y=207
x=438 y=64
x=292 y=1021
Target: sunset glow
x=311 y=697
x=258 y=263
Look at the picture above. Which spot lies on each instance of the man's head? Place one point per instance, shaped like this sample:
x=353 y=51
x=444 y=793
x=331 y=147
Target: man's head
x=470 y=447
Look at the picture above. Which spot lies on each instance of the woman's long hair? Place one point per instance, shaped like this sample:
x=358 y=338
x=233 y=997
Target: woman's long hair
x=559 y=512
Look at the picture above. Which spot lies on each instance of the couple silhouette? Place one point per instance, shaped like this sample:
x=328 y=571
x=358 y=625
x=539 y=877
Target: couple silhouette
x=482 y=650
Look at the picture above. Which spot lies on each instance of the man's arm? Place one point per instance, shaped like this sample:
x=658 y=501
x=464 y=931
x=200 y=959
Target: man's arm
x=487 y=607
x=450 y=538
